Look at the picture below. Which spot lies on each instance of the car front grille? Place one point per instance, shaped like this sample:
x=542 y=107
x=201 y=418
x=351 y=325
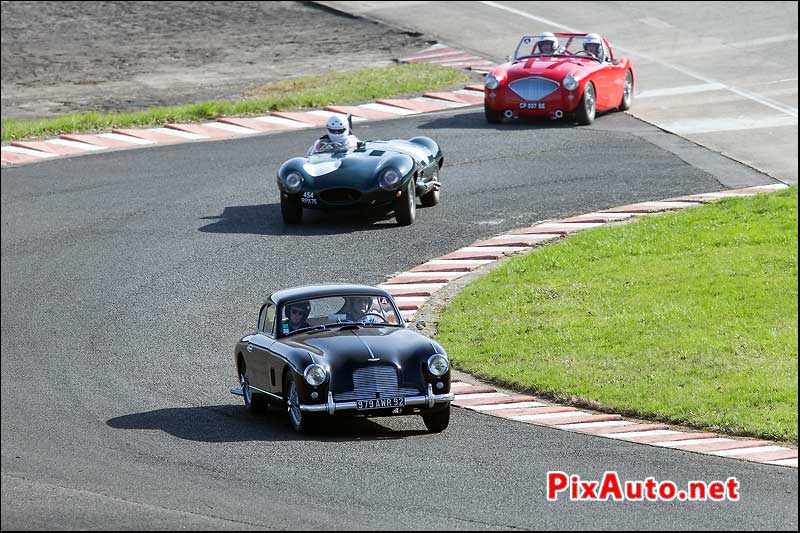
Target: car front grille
x=340 y=196
x=533 y=89
x=375 y=382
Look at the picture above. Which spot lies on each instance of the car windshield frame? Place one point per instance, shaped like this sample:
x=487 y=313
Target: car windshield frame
x=564 y=47
x=336 y=147
x=322 y=327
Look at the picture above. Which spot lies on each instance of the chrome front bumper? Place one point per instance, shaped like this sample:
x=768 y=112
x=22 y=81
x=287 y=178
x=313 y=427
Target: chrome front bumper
x=429 y=400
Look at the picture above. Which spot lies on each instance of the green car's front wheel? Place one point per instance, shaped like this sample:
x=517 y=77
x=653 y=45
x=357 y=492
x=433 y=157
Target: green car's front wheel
x=291 y=209
x=405 y=206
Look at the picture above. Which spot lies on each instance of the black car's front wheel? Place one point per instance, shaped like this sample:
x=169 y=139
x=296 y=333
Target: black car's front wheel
x=298 y=420
x=438 y=421
x=291 y=209
x=252 y=401
x=405 y=207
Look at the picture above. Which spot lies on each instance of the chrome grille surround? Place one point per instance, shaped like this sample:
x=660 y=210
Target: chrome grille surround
x=533 y=88
x=375 y=381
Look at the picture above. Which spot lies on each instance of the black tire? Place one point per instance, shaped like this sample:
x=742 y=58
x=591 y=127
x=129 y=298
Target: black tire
x=405 y=207
x=587 y=108
x=253 y=401
x=627 y=92
x=438 y=421
x=492 y=116
x=431 y=198
x=299 y=421
x=291 y=209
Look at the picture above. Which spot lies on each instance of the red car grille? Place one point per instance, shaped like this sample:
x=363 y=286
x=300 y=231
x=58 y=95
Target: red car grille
x=533 y=89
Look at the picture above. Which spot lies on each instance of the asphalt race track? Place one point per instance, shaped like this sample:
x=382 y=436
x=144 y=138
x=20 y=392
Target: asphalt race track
x=128 y=276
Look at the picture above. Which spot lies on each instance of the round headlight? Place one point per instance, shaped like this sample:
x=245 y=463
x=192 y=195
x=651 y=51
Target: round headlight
x=293 y=181
x=315 y=375
x=438 y=364
x=570 y=83
x=492 y=83
x=389 y=179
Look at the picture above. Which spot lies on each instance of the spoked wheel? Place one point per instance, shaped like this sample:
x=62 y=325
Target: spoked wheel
x=252 y=402
x=437 y=422
x=299 y=421
x=432 y=198
x=405 y=207
x=587 y=107
x=627 y=92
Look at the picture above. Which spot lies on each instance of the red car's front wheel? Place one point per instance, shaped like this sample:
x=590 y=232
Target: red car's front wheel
x=587 y=109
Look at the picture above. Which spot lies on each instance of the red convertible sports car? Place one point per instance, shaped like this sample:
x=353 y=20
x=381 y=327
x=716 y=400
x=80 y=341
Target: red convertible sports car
x=559 y=74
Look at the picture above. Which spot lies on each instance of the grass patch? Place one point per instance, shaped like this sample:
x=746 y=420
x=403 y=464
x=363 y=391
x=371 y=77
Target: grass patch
x=302 y=93
x=689 y=317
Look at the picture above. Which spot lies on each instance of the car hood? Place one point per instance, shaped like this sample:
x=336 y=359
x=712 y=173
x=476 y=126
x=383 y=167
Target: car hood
x=552 y=68
x=338 y=347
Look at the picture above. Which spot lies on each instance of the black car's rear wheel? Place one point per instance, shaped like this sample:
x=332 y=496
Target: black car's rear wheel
x=253 y=402
x=438 y=421
x=405 y=207
x=291 y=209
x=431 y=198
x=586 y=110
x=298 y=420
x=492 y=116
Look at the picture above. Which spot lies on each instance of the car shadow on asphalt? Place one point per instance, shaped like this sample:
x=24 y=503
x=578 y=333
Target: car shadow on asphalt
x=477 y=120
x=232 y=423
x=265 y=219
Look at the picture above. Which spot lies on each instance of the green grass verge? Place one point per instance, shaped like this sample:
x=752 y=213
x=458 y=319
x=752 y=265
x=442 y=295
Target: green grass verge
x=301 y=93
x=689 y=317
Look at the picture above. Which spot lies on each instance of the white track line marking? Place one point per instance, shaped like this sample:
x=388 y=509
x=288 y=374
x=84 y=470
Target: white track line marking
x=673 y=443
x=28 y=151
x=284 y=122
x=479 y=395
x=459 y=262
x=711 y=125
x=573 y=225
x=788 y=110
x=682 y=90
x=650 y=433
x=125 y=138
x=178 y=133
x=497 y=249
x=414 y=286
x=447 y=103
x=460 y=384
x=608 y=424
x=524 y=418
x=326 y=114
x=784 y=462
x=75 y=144
x=748 y=451
x=231 y=127
x=515 y=405
x=390 y=109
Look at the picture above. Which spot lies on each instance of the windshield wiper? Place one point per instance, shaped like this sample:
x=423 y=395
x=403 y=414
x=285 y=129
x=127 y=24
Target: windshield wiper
x=309 y=329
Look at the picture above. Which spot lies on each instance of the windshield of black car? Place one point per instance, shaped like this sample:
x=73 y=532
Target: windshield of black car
x=360 y=310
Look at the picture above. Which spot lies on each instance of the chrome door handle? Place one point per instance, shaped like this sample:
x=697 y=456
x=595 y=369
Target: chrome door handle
x=249 y=347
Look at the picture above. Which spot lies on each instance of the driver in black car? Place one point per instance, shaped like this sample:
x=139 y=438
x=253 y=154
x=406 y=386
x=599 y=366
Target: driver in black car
x=358 y=310
x=338 y=132
x=296 y=316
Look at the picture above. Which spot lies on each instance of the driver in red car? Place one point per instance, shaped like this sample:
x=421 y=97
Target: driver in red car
x=593 y=44
x=338 y=132
x=546 y=44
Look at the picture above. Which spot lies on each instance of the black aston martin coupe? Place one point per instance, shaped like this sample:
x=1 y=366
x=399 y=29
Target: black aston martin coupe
x=341 y=350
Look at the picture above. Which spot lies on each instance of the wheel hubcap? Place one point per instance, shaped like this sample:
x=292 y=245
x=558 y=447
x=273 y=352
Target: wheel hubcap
x=590 y=101
x=246 y=392
x=628 y=87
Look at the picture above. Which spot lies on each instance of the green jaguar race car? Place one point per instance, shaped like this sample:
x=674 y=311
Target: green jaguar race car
x=371 y=174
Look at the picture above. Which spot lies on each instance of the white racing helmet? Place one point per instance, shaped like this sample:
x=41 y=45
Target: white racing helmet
x=593 y=44
x=544 y=38
x=337 y=129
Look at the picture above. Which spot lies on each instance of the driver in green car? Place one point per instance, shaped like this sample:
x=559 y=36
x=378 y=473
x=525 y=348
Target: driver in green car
x=338 y=132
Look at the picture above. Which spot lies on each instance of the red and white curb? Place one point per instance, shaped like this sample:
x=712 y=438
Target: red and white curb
x=21 y=152
x=441 y=54
x=413 y=288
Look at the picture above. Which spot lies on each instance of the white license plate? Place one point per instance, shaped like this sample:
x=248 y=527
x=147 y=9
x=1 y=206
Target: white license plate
x=380 y=403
